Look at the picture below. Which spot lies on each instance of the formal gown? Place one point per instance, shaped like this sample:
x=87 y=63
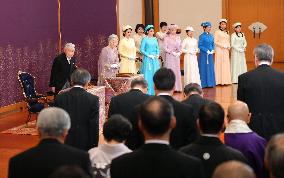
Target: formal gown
x=172 y=61
x=160 y=36
x=191 y=70
x=238 y=58
x=222 y=58
x=137 y=39
x=149 y=46
x=127 y=51
x=108 y=64
x=206 y=63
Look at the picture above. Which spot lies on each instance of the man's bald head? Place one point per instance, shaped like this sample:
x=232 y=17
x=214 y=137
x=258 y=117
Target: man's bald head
x=239 y=110
x=233 y=169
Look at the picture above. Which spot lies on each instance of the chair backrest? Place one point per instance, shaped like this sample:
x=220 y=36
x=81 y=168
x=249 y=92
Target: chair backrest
x=28 y=84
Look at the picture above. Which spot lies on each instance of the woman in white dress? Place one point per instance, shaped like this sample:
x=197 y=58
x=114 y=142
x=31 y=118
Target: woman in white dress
x=190 y=48
x=238 y=57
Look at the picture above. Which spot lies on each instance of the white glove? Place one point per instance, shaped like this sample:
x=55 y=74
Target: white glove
x=225 y=46
x=208 y=52
x=114 y=66
x=151 y=56
x=212 y=51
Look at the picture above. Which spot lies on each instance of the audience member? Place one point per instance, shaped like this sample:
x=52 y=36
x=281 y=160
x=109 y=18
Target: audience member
x=69 y=172
x=233 y=169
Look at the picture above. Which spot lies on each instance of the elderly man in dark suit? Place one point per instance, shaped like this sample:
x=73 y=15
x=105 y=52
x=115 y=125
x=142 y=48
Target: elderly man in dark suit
x=50 y=154
x=263 y=91
x=185 y=131
x=156 y=158
x=83 y=108
x=208 y=147
x=63 y=66
x=194 y=97
x=125 y=104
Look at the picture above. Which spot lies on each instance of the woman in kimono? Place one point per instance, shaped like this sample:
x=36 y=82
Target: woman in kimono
x=160 y=36
x=150 y=50
x=127 y=51
x=190 y=48
x=108 y=63
x=173 y=51
x=222 y=51
x=238 y=58
x=139 y=35
x=206 y=63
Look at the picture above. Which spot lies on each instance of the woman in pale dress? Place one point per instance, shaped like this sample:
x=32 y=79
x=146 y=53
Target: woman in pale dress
x=190 y=48
x=139 y=35
x=222 y=59
x=127 y=52
x=173 y=51
x=160 y=36
x=108 y=63
x=238 y=57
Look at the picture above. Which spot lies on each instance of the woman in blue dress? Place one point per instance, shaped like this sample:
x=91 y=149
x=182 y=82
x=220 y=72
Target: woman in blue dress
x=150 y=50
x=206 y=63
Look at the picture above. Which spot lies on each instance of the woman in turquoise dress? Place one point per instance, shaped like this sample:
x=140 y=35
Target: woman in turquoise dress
x=150 y=64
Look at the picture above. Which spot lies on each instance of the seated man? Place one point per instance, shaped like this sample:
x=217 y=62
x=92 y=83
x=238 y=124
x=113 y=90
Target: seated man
x=194 y=97
x=50 y=154
x=115 y=131
x=208 y=147
x=233 y=169
x=239 y=136
x=156 y=159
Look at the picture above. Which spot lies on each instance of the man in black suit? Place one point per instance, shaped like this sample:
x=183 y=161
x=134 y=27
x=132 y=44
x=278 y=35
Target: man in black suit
x=156 y=158
x=63 y=66
x=83 y=108
x=50 y=154
x=185 y=131
x=263 y=91
x=125 y=104
x=208 y=147
x=194 y=97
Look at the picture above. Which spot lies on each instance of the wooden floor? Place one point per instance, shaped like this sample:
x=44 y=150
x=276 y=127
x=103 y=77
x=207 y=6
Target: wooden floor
x=13 y=144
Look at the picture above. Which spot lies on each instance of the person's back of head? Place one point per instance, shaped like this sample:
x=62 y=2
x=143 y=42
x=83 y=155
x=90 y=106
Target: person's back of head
x=139 y=83
x=263 y=52
x=211 y=118
x=69 y=172
x=192 y=88
x=233 y=169
x=116 y=128
x=164 y=79
x=156 y=117
x=240 y=111
x=53 y=122
x=274 y=156
x=80 y=77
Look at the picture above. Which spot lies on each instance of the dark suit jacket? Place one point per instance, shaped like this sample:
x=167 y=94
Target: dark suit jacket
x=83 y=108
x=126 y=104
x=196 y=101
x=42 y=160
x=156 y=161
x=212 y=152
x=61 y=71
x=263 y=90
x=185 y=131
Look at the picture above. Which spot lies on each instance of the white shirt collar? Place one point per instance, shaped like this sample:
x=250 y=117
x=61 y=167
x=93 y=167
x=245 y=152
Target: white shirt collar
x=78 y=86
x=237 y=126
x=136 y=88
x=157 y=141
x=161 y=94
x=264 y=62
x=210 y=135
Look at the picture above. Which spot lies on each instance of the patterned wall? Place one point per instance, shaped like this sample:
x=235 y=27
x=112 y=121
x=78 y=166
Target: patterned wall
x=28 y=38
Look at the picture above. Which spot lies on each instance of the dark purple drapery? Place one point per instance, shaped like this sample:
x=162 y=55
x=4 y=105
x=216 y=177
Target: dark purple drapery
x=28 y=38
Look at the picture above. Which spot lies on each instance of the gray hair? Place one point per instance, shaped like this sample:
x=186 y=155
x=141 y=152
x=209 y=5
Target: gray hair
x=233 y=169
x=69 y=46
x=139 y=82
x=53 y=121
x=112 y=37
x=80 y=77
x=264 y=52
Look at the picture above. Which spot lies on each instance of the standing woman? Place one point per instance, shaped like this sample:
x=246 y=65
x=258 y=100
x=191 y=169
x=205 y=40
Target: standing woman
x=127 y=51
x=222 y=59
x=190 y=48
x=139 y=35
x=206 y=63
x=238 y=57
x=161 y=35
x=150 y=49
x=173 y=51
x=108 y=63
